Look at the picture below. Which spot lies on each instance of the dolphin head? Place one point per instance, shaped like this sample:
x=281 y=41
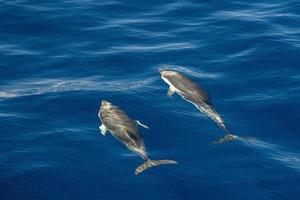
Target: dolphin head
x=105 y=103
x=165 y=73
x=161 y=71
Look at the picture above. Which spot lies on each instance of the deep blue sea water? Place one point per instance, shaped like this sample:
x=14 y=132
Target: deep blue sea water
x=60 y=58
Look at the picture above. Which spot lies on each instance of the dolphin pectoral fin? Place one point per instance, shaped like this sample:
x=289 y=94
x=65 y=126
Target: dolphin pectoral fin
x=171 y=91
x=103 y=129
x=227 y=138
x=142 y=125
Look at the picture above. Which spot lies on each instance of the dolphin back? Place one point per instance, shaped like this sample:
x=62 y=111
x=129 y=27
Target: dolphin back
x=190 y=88
x=152 y=163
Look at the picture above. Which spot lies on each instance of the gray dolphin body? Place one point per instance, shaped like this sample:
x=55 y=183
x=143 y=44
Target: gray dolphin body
x=126 y=130
x=196 y=95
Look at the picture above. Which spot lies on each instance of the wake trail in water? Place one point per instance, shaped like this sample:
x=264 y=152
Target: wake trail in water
x=275 y=152
x=59 y=85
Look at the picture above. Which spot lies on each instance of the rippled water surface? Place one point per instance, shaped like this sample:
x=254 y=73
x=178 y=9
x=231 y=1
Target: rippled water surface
x=59 y=59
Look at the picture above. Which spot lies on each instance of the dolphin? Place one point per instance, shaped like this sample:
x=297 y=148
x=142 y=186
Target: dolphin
x=193 y=93
x=126 y=130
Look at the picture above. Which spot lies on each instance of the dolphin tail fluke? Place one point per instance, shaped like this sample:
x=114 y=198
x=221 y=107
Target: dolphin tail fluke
x=152 y=163
x=227 y=138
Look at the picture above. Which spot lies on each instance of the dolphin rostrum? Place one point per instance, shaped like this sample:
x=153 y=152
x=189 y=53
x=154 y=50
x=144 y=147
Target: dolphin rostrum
x=196 y=95
x=126 y=130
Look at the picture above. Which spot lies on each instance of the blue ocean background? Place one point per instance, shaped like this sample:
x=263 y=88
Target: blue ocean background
x=60 y=58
